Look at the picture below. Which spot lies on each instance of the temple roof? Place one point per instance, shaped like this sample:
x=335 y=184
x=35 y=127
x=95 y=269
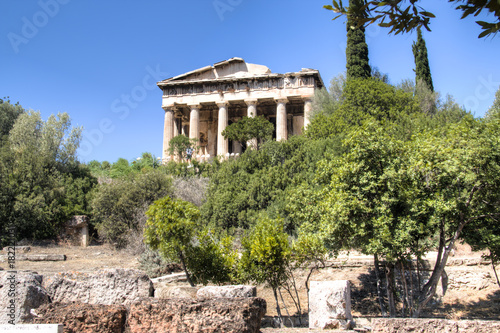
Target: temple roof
x=231 y=69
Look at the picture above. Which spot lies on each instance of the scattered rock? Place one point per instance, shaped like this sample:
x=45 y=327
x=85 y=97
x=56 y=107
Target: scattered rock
x=83 y=318
x=330 y=304
x=210 y=292
x=17 y=249
x=105 y=287
x=27 y=287
x=241 y=315
x=40 y=257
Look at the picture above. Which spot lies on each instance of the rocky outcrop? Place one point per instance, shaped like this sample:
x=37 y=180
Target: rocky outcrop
x=210 y=292
x=29 y=295
x=400 y=325
x=83 y=318
x=330 y=304
x=105 y=287
x=239 y=315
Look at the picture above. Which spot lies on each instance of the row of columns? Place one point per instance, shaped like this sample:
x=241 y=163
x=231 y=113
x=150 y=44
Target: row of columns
x=170 y=130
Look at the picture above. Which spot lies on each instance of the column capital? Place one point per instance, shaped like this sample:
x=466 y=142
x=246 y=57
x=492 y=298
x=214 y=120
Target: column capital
x=194 y=106
x=169 y=107
x=222 y=103
x=252 y=101
x=281 y=99
x=307 y=97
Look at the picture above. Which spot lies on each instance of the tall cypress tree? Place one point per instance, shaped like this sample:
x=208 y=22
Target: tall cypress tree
x=422 y=71
x=357 y=50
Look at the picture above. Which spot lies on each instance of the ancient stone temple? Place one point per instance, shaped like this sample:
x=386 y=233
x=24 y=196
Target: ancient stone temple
x=200 y=104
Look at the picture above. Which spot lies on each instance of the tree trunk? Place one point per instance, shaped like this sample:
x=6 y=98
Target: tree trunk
x=430 y=288
x=278 y=307
x=286 y=308
x=188 y=276
x=389 y=277
x=444 y=281
x=379 y=285
x=405 y=289
x=494 y=269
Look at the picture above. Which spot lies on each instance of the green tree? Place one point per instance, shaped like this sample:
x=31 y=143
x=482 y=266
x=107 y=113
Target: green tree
x=326 y=102
x=393 y=14
x=8 y=115
x=266 y=255
x=212 y=259
x=365 y=99
x=180 y=144
x=250 y=130
x=146 y=162
x=358 y=66
x=494 y=111
x=461 y=173
x=117 y=206
x=260 y=180
x=388 y=197
x=422 y=68
x=39 y=173
x=120 y=168
x=170 y=229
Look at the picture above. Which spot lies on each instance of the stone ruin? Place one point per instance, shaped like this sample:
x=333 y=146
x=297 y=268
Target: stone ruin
x=330 y=305
x=76 y=231
x=119 y=300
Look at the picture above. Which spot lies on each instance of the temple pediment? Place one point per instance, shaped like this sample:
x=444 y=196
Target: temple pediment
x=232 y=68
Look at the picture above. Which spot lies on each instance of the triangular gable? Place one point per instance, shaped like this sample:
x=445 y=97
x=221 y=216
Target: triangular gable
x=227 y=68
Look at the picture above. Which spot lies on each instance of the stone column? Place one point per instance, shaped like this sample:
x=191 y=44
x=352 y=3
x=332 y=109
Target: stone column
x=251 y=113
x=177 y=122
x=307 y=110
x=252 y=107
x=222 y=144
x=194 y=127
x=194 y=122
x=168 y=130
x=281 y=119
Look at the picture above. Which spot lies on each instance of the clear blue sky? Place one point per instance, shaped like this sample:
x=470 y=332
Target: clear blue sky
x=99 y=60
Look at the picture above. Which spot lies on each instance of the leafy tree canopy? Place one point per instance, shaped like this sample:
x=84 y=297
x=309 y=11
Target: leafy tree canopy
x=170 y=229
x=247 y=128
x=180 y=144
x=402 y=17
x=42 y=183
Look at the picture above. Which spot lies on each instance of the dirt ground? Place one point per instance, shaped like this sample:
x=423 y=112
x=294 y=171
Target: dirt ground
x=472 y=294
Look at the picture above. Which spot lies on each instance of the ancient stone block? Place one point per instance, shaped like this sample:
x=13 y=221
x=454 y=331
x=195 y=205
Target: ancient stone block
x=226 y=291
x=165 y=291
x=113 y=286
x=76 y=231
x=84 y=318
x=29 y=295
x=242 y=315
x=400 y=325
x=330 y=304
